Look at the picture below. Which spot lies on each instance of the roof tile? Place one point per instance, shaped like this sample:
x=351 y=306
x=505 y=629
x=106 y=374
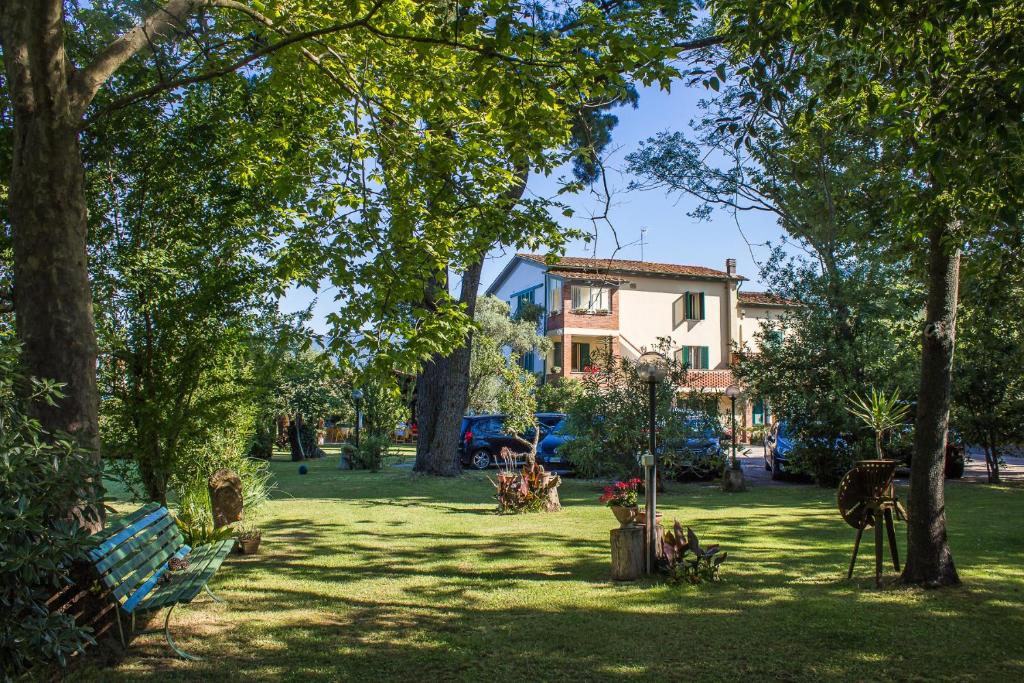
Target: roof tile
x=594 y=266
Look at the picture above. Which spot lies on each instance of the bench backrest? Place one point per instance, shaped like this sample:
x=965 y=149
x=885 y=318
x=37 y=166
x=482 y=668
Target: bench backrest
x=132 y=553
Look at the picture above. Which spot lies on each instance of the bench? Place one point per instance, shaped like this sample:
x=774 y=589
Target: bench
x=132 y=556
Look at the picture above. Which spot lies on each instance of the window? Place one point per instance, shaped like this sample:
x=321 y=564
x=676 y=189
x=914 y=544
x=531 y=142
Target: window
x=557 y=353
x=554 y=296
x=591 y=299
x=580 y=356
x=690 y=306
x=526 y=361
x=523 y=298
x=693 y=357
x=760 y=413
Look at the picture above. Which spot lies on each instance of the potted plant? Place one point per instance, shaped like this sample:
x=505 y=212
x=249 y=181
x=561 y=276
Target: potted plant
x=248 y=539
x=621 y=497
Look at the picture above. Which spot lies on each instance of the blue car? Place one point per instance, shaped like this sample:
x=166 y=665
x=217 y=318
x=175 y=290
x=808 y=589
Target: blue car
x=778 y=448
x=547 y=450
x=778 y=444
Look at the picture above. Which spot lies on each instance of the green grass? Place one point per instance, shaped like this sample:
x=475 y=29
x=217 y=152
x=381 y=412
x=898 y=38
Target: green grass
x=391 y=576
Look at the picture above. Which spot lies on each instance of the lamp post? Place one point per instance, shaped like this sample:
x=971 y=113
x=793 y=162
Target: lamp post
x=357 y=396
x=653 y=368
x=732 y=480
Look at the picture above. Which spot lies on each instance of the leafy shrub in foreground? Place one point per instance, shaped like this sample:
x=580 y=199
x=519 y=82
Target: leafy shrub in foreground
x=41 y=480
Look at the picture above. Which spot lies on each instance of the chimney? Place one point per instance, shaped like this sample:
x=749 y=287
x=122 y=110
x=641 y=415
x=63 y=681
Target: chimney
x=730 y=267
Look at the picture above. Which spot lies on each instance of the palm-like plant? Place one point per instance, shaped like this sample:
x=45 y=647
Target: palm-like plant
x=879 y=412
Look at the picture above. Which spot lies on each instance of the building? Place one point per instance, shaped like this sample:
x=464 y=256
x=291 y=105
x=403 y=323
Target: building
x=626 y=306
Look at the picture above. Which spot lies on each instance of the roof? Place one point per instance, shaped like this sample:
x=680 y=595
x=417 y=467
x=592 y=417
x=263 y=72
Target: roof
x=593 y=266
x=585 y=275
x=764 y=299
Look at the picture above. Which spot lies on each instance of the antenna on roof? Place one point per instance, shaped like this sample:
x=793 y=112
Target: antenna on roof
x=643 y=232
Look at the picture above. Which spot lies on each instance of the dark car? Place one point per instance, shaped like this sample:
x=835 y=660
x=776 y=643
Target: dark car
x=547 y=451
x=900 y=446
x=780 y=441
x=483 y=437
x=698 y=455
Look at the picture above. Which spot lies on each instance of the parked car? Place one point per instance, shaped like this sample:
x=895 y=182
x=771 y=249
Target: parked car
x=483 y=437
x=547 y=451
x=901 y=447
x=698 y=455
x=779 y=442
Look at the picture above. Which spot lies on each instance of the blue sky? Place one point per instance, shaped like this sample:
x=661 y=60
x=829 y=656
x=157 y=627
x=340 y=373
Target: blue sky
x=670 y=236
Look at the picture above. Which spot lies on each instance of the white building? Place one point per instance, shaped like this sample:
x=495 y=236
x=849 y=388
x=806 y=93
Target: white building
x=626 y=306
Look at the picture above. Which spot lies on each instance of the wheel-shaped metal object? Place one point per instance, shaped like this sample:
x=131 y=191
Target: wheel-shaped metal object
x=866 y=483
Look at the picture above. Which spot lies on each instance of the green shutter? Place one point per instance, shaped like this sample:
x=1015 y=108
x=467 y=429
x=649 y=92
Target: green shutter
x=702 y=305
x=585 y=356
x=703 y=350
x=688 y=308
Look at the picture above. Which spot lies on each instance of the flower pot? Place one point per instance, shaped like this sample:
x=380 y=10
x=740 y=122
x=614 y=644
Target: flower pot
x=248 y=545
x=625 y=515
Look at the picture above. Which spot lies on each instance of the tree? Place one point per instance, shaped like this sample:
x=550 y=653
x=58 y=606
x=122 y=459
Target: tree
x=311 y=386
x=854 y=304
x=376 y=70
x=498 y=341
x=939 y=84
x=988 y=391
x=608 y=445
x=184 y=279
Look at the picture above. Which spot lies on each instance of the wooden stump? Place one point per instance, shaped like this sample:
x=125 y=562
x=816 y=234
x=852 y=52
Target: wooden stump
x=552 y=502
x=627 y=553
x=225 y=497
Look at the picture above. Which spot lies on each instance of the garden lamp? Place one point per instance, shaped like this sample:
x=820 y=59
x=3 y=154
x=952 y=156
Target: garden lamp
x=653 y=369
x=357 y=396
x=733 y=392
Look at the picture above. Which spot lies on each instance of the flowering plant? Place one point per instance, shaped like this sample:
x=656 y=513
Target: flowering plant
x=621 y=493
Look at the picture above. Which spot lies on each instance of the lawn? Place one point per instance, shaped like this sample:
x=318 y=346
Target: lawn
x=390 y=576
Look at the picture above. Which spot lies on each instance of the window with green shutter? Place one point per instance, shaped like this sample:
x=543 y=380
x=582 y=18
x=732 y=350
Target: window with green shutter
x=693 y=306
x=694 y=357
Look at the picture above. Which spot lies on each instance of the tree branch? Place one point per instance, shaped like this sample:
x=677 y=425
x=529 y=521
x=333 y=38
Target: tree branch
x=159 y=24
x=88 y=81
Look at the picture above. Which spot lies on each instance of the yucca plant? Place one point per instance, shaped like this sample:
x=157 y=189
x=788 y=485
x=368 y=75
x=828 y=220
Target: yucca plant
x=879 y=412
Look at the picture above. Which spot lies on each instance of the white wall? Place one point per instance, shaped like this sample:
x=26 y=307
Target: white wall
x=753 y=319
x=645 y=313
x=524 y=275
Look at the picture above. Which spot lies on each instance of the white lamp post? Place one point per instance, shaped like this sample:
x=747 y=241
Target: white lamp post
x=732 y=479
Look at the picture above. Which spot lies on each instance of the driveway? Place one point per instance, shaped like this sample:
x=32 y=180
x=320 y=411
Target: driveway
x=1011 y=472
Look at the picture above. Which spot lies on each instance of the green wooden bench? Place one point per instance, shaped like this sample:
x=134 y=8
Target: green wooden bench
x=132 y=555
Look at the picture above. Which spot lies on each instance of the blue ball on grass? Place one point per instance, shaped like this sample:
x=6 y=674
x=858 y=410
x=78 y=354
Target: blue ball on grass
x=303 y=469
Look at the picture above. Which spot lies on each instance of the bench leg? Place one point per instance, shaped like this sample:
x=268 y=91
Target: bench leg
x=170 y=641
x=210 y=593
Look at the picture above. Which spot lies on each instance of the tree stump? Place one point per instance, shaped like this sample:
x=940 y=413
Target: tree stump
x=552 y=503
x=627 y=553
x=225 y=497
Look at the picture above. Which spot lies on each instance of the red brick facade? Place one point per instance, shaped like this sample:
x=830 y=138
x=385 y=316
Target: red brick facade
x=591 y=321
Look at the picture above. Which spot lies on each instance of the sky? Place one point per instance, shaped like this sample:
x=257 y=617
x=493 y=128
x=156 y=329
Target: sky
x=669 y=234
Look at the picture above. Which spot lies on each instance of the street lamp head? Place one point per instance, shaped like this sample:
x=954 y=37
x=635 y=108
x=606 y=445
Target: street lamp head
x=732 y=391
x=357 y=395
x=652 y=366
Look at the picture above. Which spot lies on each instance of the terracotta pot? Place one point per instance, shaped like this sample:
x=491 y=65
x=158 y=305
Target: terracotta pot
x=641 y=517
x=625 y=515
x=248 y=545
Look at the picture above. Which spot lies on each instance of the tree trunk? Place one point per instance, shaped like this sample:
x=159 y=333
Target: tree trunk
x=442 y=391
x=47 y=212
x=992 y=463
x=929 y=561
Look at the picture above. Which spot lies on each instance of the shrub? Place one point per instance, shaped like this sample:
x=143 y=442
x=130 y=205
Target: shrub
x=370 y=454
x=194 y=513
x=558 y=396
x=42 y=477
x=526 y=490
x=824 y=462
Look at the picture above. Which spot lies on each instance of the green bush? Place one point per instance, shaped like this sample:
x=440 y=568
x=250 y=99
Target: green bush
x=41 y=478
x=373 y=448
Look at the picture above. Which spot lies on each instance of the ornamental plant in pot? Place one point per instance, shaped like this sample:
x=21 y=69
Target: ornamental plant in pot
x=621 y=497
x=248 y=539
